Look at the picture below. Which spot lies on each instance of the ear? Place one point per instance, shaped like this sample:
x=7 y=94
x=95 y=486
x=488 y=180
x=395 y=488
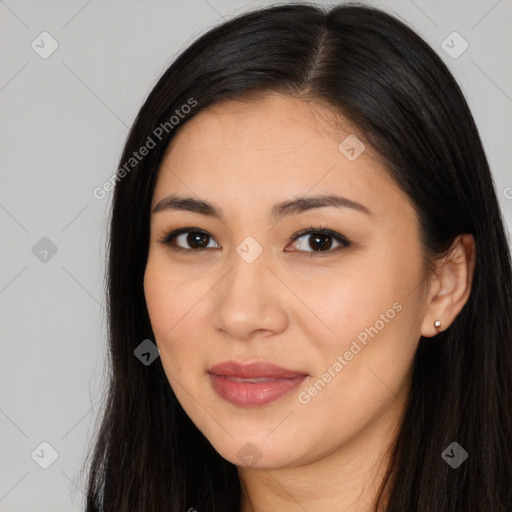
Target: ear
x=450 y=285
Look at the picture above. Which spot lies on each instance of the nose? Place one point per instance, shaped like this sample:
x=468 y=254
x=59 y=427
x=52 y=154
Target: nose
x=249 y=301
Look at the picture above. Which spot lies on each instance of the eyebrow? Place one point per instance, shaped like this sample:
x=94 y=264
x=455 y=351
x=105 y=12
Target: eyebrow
x=279 y=211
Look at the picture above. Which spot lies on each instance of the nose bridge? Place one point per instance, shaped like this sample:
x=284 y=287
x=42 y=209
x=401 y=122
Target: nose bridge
x=250 y=250
x=248 y=279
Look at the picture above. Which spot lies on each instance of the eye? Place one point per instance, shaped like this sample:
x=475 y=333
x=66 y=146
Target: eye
x=195 y=238
x=320 y=240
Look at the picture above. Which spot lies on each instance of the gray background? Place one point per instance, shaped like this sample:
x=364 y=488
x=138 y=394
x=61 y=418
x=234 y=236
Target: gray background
x=63 y=122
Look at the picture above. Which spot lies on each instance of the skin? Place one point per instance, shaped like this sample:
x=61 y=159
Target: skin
x=298 y=308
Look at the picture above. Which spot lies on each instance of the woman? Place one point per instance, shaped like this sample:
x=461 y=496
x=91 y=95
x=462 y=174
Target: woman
x=305 y=225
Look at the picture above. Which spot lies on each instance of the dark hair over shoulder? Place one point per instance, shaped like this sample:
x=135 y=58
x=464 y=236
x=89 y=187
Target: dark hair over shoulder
x=380 y=75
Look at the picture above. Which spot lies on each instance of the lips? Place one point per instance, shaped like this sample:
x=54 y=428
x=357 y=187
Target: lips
x=253 y=371
x=253 y=384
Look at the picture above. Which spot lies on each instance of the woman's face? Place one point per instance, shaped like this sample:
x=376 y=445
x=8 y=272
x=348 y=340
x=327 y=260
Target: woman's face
x=343 y=315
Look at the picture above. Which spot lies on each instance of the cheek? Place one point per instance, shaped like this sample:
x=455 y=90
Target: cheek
x=174 y=309
x=160 y=303
x=336 y=307
x=172 y=306
x=365 y=329
x=365 y=366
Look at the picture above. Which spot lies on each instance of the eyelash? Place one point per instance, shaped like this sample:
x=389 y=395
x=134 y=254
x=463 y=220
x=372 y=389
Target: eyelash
x=342 y=240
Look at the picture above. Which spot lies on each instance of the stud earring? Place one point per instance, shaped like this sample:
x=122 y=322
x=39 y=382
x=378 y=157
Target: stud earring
x=437 y=325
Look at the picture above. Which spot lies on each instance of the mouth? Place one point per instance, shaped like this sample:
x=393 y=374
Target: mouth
x=254 y=384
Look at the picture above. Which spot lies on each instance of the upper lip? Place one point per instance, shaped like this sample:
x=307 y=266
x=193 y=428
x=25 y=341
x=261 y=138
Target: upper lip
x=253 y=370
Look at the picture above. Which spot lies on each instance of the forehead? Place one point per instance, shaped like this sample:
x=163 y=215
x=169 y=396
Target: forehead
x=265 y=150
x=271 y=120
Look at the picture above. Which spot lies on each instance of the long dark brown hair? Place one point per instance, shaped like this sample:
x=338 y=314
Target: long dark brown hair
x=378 y=73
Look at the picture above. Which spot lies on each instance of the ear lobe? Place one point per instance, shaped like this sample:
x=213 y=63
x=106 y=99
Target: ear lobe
x=451 y=285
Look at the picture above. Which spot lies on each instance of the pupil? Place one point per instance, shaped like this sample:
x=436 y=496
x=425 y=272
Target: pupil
x=321 y=241
x=194 y=239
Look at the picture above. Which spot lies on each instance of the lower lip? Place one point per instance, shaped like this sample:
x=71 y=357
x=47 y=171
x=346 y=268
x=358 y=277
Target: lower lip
x=251 y=394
